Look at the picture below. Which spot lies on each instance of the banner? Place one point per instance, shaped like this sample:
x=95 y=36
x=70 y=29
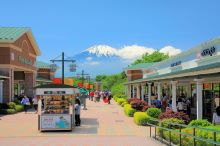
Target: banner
x=68 y=81
x=57 y=81
x=90 y=86
x=58 y=122
x=80 y=84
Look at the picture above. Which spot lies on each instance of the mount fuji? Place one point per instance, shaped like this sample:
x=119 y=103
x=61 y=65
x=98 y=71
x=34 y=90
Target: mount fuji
x=103 y=59
x=100 y=59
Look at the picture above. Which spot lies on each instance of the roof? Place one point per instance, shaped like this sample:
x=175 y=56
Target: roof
x=41 y=64
x=11 y=34
x=3 y=77
x=199 y=68
x=54 y=86
x=39 y=79
x=139 y=66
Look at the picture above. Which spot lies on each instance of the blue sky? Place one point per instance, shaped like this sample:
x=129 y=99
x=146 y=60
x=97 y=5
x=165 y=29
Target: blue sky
x=73 y=26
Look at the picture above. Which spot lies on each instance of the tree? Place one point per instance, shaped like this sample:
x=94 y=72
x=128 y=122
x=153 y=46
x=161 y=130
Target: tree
x=149 y=58
x=100 y=77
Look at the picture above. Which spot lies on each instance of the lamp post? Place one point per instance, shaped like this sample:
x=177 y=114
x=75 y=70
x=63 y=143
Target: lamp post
x=62 y=60
x=84 y=97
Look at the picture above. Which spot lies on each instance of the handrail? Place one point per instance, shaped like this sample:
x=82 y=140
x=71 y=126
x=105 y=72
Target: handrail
x=187 y=126
x=214 y=142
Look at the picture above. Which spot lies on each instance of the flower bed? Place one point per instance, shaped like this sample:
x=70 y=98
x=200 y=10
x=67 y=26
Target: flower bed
x=10 y=108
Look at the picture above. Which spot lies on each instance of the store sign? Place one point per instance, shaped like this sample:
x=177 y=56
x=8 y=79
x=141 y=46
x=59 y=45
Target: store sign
x=54 y=92
x=208 y=52
x=55 y=122
x=175 y=64
x=24 y=60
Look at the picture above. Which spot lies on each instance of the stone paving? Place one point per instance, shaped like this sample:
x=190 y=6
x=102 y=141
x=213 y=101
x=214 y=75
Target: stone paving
x=102 y=125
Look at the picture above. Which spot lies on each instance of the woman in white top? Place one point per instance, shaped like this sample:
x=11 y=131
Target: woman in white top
x=216 y=116
x=180 y=105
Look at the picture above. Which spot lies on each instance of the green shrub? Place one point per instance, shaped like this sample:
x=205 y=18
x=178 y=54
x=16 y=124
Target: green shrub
x=10 y=111
x=19 y=108
x=3 y=111
x=121 y=100
x=16 y=101
x=141 y=118
x=129 y=111
x=124 y=103
x=202 y=122
x=153 y=112
x=11 y=105
x=127 y=105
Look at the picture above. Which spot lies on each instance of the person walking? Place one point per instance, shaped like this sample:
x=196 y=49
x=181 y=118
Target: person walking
x=77 y=112
x=109 y=97
x=24 y=102
x=91 y=95
x=180 y=105
x=216 y=116
x=35 y=103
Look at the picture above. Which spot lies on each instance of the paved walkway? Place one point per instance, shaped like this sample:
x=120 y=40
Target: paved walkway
x=102 y=125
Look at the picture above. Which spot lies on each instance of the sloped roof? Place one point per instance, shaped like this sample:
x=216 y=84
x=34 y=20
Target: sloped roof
x=11 y=34
x=41 y=64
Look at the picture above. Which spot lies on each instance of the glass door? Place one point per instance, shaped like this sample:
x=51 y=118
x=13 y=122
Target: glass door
x=208 y=101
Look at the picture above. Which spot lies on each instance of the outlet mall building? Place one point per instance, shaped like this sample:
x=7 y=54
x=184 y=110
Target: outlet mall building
x=194 y=73
x=19 y=71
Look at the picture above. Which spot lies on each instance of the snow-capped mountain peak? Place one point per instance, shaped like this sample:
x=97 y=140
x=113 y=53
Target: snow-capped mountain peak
x=102 y=50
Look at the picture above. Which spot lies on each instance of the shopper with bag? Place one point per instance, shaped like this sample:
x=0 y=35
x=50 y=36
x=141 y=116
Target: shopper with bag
x=24 y=102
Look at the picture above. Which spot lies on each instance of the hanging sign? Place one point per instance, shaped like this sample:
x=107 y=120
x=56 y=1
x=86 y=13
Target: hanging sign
x=208 y=51
x=72 y=67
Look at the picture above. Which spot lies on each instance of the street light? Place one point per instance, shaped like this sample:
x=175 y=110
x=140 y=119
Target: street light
x=53 y=66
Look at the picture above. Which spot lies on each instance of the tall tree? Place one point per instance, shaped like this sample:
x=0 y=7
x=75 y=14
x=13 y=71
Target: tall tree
x=149 y=58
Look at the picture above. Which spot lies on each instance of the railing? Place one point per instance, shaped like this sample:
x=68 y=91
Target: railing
x=179 y=131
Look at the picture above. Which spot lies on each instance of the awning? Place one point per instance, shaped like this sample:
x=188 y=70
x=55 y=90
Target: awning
x=180 y=73
x=4 y=77
x=43 y=80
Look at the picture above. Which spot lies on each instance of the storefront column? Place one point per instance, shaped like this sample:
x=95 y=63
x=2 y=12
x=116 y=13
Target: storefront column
x=199 y=109
x=29 y=83
x=149 y=93
x=1 y=91
x=129 y=91
x=138 y=91
x=142 y=91
x=133 y=91
x=174 y=83
x=158 y=90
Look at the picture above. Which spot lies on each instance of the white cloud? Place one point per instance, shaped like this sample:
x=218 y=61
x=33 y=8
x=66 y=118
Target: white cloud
x=89 y=59
x=170 y=50
x=133 y=52
x=129 y=52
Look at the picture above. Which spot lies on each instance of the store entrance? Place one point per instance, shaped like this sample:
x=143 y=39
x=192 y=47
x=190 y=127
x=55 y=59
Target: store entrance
x=19 y=77
x=210 y=99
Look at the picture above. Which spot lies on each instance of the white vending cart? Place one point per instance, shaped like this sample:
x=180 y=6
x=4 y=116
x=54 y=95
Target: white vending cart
x=55 y=107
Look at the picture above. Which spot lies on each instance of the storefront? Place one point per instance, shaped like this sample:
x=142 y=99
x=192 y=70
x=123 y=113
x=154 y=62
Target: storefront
x=194 y=74
x=18 y=52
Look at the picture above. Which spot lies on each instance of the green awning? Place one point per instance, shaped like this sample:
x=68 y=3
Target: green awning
x=54 y=86
x=43 y=80
x=199 y=68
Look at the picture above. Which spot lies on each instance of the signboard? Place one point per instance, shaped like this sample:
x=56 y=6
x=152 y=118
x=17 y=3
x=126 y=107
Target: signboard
x=54 y=92
x=57 y=81
x=25 y=60
x=208 y=51
x=56 y=122
x=175 y=64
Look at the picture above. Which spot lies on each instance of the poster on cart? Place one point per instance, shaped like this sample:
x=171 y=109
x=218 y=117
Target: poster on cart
x=56 y=122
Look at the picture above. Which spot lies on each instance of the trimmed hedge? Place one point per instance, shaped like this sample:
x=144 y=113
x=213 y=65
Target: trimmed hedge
x=129 y=111
x=121 y=100
x=202 y=122
x=141 y=118
x=19 y=108
x=124 y=103
x=17 y=102
x=11 y=105
x=7 y=111
x=153 y=112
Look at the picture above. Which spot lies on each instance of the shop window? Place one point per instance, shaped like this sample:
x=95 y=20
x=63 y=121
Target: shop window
x=193 y=99
x=216 y=90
